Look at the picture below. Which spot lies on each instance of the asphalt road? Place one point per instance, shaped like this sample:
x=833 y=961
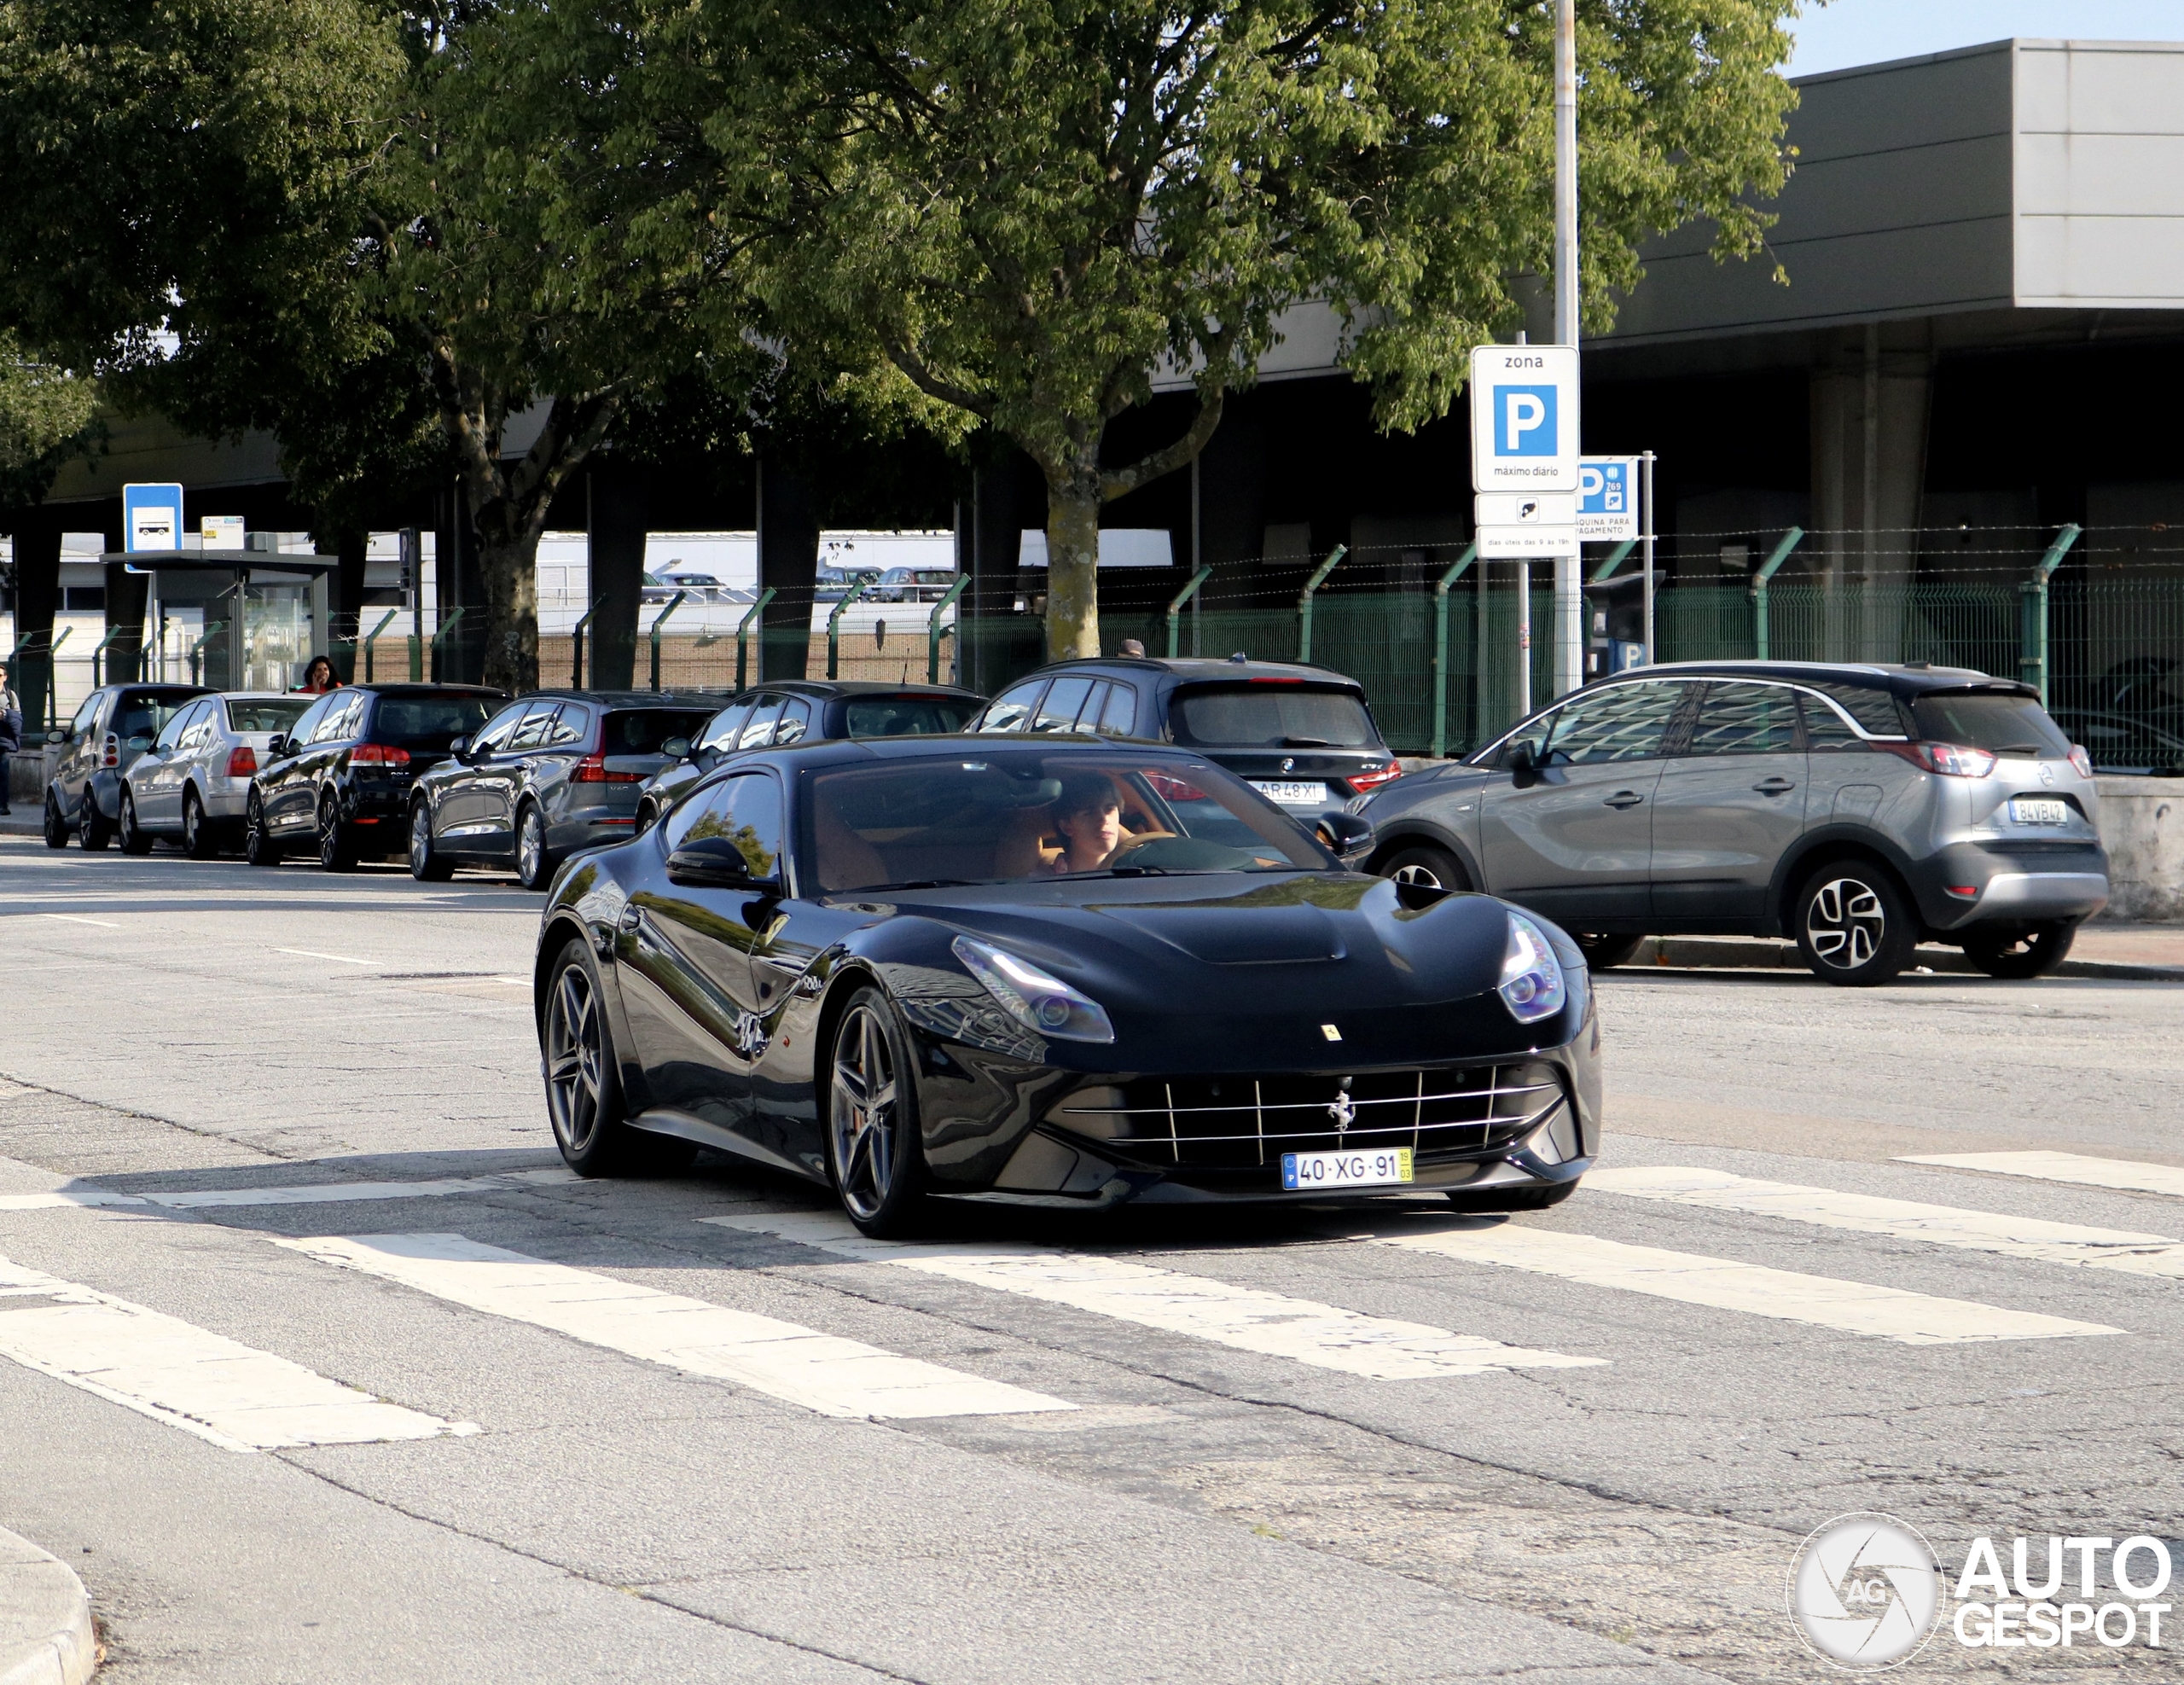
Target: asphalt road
x=1269 y=1448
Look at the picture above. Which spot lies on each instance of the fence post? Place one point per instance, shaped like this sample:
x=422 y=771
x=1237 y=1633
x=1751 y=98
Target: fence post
x=933 y=629
x=576 y=649
x=439 y=637
x=53 y=677
x=742 y=634
x=2032 y=640
x=1776 y=557
x=196 y=649
x=660 y=619
x=1304 y=600
x=97 y=655
x=834 y=625
x=1612 y=561
x=1176 y=607
x=1441 y=647
x=368 y=643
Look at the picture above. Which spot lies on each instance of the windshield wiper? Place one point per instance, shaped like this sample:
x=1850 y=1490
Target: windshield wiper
x=1308 y=742
x=921 y=883
x=2018 y=749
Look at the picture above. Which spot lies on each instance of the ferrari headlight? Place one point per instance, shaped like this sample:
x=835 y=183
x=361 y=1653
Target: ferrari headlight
x=1532 y=977
x=1034 y=999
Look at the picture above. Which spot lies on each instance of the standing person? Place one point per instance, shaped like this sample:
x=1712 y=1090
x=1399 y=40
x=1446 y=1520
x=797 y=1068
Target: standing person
x=11 y=735
x=319 y=677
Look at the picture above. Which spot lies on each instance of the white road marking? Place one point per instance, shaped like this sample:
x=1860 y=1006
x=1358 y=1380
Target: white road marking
x=73 y=919
x=312 y=1193
x=312 y=954
x=238 y=1398
x=2029 y=1237
x=1247 y=1318
x=832 y=1376
x=2124 y=1174
x=1722 y=1284
x=66 y=1197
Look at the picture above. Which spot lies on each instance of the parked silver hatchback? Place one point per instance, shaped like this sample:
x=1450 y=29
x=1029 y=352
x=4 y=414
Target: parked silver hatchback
x=1855 y=808
x=193 y=784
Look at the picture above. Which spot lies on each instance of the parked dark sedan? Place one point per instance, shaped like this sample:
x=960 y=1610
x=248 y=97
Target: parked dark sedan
x=550 y=773
x=807 y=711
x=1303 y=736
x=339 y=780
x=1062 y=975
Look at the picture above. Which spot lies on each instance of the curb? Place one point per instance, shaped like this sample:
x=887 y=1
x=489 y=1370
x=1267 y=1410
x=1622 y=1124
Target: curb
x=45 y=1619
x=1701 y=953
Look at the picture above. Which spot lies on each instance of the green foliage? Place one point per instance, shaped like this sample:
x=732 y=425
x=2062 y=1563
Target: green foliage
x=46 y=416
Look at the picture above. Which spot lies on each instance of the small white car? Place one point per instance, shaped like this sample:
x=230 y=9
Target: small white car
x=193 y=784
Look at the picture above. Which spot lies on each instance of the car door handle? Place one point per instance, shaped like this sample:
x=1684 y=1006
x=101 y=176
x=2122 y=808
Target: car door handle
x=1774 y=786
x=1625 y=798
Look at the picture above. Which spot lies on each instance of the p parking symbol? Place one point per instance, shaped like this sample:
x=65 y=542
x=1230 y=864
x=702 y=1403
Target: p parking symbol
x=1524 y=421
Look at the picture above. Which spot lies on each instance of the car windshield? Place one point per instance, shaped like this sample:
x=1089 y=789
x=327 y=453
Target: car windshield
x=1272 y=716
x=992 y=817
x=640 y=731
x=2004 y=724
x=430 y=722
x=271 y=713
x=907 y=716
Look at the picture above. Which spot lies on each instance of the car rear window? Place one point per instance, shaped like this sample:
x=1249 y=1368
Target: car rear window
x=143 y=713
x=430 y=722
x=640 y=731
x=2002 y=723
x=273 y=713
x=906 y=716
x=1272 y=717
x=1874 y=711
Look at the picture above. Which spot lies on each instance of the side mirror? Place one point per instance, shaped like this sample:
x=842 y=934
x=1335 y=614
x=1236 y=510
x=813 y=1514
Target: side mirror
x=56 y=737
x=714 y=862
x=1350 y=835
x=460 y=748
x=676 y=748
x=278 y=748
x=1520 y=758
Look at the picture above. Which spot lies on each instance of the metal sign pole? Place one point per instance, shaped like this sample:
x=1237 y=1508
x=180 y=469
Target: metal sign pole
x=1646 y=554
x=1524 y=637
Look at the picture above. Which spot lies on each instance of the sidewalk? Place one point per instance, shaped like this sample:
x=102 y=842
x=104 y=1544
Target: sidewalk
x=2128 y=952
x=45 y=1619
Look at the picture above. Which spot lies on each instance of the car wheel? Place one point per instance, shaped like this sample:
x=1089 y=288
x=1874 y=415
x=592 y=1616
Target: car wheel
x=1519 y=1198
x=1426 y=866
x=647 y=817
x=583 y=1086
x=534 y=864
x=337 y=842
x=56 y=822
x=1601 y=952
x=91 y=828
x=259 y=847
x=1854 y=926
x=2032 y=953
x=873 y=1157
x=134 y=840
x=198 y=842
x=426 y=863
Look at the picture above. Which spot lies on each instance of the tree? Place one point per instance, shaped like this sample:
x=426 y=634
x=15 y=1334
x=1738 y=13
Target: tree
x=47 y=416
x=1034 y=206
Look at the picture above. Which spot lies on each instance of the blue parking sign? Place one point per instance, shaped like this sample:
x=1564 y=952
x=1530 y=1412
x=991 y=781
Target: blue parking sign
x=1608 y=497
x=1524 y=421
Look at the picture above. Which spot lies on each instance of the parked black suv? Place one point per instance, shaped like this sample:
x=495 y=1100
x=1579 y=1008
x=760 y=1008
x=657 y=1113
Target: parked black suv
x=116 y=723
x=1303 y=736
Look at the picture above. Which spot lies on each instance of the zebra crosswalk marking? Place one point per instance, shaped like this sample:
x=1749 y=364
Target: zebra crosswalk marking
x=2125 y=1175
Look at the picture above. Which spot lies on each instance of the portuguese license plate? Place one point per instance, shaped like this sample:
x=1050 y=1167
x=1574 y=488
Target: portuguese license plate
x=2035 y=812
x=1292 y=795
x=1379 y=1167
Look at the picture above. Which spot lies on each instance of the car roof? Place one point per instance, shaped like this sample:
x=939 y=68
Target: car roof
x=391 y=689
x=624 y=699
x=1197 y=669
x=263 y=695
x=828 y=750
x=1902 y=678
x=824 y=689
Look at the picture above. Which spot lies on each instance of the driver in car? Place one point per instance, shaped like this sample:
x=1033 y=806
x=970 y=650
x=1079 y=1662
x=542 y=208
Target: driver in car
x=1088 y=814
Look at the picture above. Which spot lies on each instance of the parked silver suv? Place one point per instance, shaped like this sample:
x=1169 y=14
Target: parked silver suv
x=1857 y=808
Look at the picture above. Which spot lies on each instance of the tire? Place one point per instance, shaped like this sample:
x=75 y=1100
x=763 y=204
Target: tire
x=1490 y=1200
x=647 y=819
x=426 y=863
x=2032 y=953
x=1601 y=952
x=91 y=828
x=534 y=861
x=337 y=842
x=874 y=1157
x=585 y=1103
x=56 y=822
x=1425 y=865
x=1855 y=927
x=199 y=841
x=134 y=839
x=259 y=847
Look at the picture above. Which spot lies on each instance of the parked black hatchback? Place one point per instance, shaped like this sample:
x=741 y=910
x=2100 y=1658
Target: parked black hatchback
x=338 y=783
x=1303 y=737
x=550 y=773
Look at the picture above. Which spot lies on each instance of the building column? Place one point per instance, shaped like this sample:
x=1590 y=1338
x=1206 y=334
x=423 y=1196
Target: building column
x=127 y=596
x=788 y=563
x=1871 y=395
x=37 y=599
x=992 y=545
x=615 y=507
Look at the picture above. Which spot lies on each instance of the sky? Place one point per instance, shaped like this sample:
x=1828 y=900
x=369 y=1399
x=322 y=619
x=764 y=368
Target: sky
x=1864 y=31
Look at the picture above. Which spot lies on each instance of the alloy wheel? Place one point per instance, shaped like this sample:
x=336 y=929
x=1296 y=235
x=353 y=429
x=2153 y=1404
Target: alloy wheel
x=531 y=849
x=576 y=1062
x=421 y=839
x=1846 y=923
x=863 y=1118
x=196 y=838
x=1415 y=874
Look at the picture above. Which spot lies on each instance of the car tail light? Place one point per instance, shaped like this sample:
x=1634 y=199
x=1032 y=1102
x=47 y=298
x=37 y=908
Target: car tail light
x=1953 y=760
x=242 y=761
x=112 y=757
x=1963 y=891
x=2081 y=760
x=378 y=754
x=1373 y=777
x=592 y=769
x=1171 y=788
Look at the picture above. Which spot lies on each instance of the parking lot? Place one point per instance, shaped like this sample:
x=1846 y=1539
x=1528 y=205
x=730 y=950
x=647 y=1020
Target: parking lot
x=1382 y=1443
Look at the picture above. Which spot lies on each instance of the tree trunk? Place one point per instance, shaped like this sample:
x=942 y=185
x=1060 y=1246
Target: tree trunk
x=1073 y=500
x=508 y=562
